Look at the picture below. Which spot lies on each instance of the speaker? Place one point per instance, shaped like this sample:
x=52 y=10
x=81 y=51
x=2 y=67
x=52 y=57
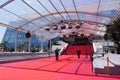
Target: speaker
x=28 y=35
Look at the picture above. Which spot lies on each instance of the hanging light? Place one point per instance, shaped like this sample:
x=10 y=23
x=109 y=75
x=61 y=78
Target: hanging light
x=61 y=21
x=55 y=28
x=70 y=27
x=28 y=34
x=47 y=29
x=63 y=27
x=78 y=27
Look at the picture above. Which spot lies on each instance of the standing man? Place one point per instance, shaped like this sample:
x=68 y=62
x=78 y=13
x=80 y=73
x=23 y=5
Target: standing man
x=91 y=57
x=78 y=53
x=57 y=54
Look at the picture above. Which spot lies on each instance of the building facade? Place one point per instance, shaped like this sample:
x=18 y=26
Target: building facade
x=10 y=36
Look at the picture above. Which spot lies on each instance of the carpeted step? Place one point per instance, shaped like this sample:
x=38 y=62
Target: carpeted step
x=71 y=50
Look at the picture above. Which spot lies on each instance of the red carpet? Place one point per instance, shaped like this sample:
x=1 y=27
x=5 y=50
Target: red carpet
x=71 y=50
x=67 y=68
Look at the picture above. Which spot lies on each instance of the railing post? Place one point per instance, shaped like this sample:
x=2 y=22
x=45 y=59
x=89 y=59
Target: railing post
x=108 y=68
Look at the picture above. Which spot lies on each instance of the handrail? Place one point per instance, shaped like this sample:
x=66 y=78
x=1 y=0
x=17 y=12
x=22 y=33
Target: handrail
x=114 y=63
x=108 y=67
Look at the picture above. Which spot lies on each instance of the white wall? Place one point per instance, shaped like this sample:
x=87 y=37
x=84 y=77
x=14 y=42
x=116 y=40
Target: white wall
x=98 y=45
x=62 y=46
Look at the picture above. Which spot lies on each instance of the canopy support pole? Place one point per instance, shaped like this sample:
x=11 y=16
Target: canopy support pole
x=42 y=44
x=16 y=39
x=50 y=46
x=29 y=41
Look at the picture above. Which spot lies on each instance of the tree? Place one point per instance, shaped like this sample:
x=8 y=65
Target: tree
x=22 y=46
x=113 y=33
x=4 y=44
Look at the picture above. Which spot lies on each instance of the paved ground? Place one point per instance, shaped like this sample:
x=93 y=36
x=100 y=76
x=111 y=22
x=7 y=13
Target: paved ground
x=11 y=57
x=69 y=67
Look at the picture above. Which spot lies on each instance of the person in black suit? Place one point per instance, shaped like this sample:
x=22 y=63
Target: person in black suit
x=78 y=53
x=57 y=54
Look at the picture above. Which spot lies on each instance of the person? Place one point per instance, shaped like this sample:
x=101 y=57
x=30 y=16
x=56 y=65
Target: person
x=91 y=57
x=78 y=53
x=106 y=50
x=102 y=54
x=57 y=54
x=112 y=51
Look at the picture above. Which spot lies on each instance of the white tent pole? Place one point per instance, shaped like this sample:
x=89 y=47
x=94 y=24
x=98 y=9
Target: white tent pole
x=103 y=45
x=50 y=46
x=16 y=38
x=42 y=43
x=29 y=44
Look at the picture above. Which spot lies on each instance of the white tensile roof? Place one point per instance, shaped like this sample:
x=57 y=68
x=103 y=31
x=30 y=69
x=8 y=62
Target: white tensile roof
x=36 y=15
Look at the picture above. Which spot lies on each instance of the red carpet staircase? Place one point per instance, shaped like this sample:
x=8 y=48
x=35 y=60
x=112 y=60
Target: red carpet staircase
x=71 y=49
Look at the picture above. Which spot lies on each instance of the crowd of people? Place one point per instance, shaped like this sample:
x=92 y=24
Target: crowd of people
x=78 y=53
x=81 y=41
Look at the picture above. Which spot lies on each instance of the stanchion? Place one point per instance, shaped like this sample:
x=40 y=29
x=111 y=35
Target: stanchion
x=108 y=68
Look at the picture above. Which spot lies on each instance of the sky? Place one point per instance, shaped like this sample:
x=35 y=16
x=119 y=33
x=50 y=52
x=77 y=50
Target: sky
x=2 y=32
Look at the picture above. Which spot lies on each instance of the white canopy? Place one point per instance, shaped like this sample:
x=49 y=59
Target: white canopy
x=36 y=15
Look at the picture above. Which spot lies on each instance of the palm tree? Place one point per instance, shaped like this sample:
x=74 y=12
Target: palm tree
x=4 y=44
x=113 y=33
x=22 y=46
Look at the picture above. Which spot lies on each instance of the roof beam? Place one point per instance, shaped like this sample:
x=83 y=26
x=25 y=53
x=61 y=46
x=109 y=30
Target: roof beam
x=35 y=11
x=98 y=9
x=6 y=3
x=11 y=27
x=43 y=27
x=65 y=9
x=14 y=28
x=62 y=12
x=47 y=10
x=18 y=16
x=76 y=9
x=6 y=25
x=58 y=22
x=56 y=9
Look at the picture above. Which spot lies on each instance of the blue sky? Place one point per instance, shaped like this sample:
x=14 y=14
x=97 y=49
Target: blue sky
x=2 y=31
